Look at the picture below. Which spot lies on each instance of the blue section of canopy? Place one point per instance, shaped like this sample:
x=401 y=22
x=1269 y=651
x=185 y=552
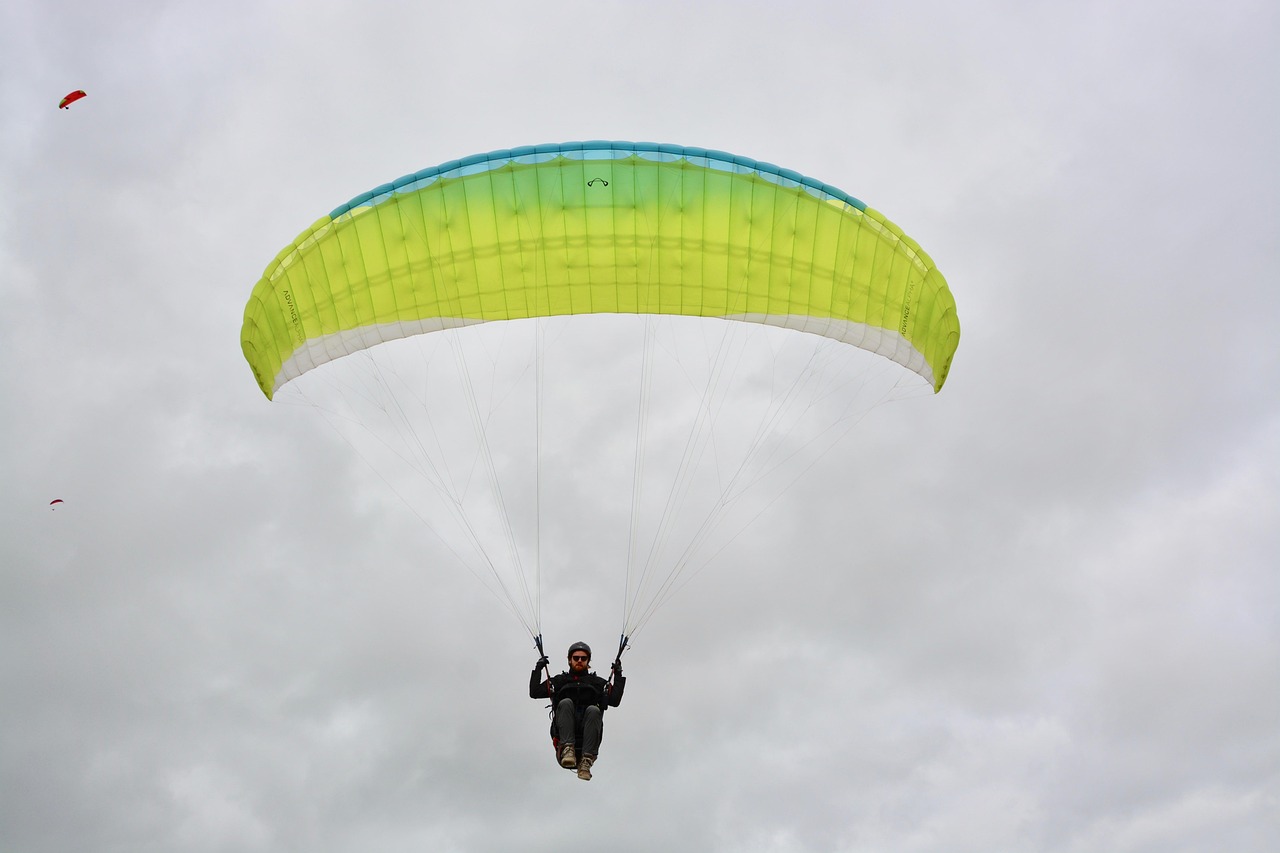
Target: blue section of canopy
x=596 y=150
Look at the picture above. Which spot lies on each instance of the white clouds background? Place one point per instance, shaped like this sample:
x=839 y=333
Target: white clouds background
x=1051 y=625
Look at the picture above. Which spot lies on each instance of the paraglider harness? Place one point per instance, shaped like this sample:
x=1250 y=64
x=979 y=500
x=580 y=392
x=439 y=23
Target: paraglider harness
x=578 y=710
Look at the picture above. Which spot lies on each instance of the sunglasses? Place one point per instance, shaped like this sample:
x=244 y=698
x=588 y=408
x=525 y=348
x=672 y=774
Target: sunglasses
x=579 y=657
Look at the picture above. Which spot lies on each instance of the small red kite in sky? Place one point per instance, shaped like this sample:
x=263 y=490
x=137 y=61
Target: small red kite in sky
x=71 y=99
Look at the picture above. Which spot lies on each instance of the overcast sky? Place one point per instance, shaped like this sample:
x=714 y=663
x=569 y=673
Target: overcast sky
x=1039 y=611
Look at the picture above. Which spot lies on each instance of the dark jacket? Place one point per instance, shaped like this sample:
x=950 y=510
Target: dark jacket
x=586 y=689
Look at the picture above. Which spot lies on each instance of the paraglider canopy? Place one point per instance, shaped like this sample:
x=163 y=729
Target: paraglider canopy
x=71 y=98
x=598 y=227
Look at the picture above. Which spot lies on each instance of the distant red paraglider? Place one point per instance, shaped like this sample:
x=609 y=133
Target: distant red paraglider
x=53 y=502
x=71 y=98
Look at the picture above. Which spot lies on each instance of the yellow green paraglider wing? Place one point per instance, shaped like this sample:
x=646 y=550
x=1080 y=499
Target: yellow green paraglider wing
x=598 y=227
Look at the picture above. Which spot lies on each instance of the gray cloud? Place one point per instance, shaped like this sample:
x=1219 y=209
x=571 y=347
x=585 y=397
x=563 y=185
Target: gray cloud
x=1033 y=613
